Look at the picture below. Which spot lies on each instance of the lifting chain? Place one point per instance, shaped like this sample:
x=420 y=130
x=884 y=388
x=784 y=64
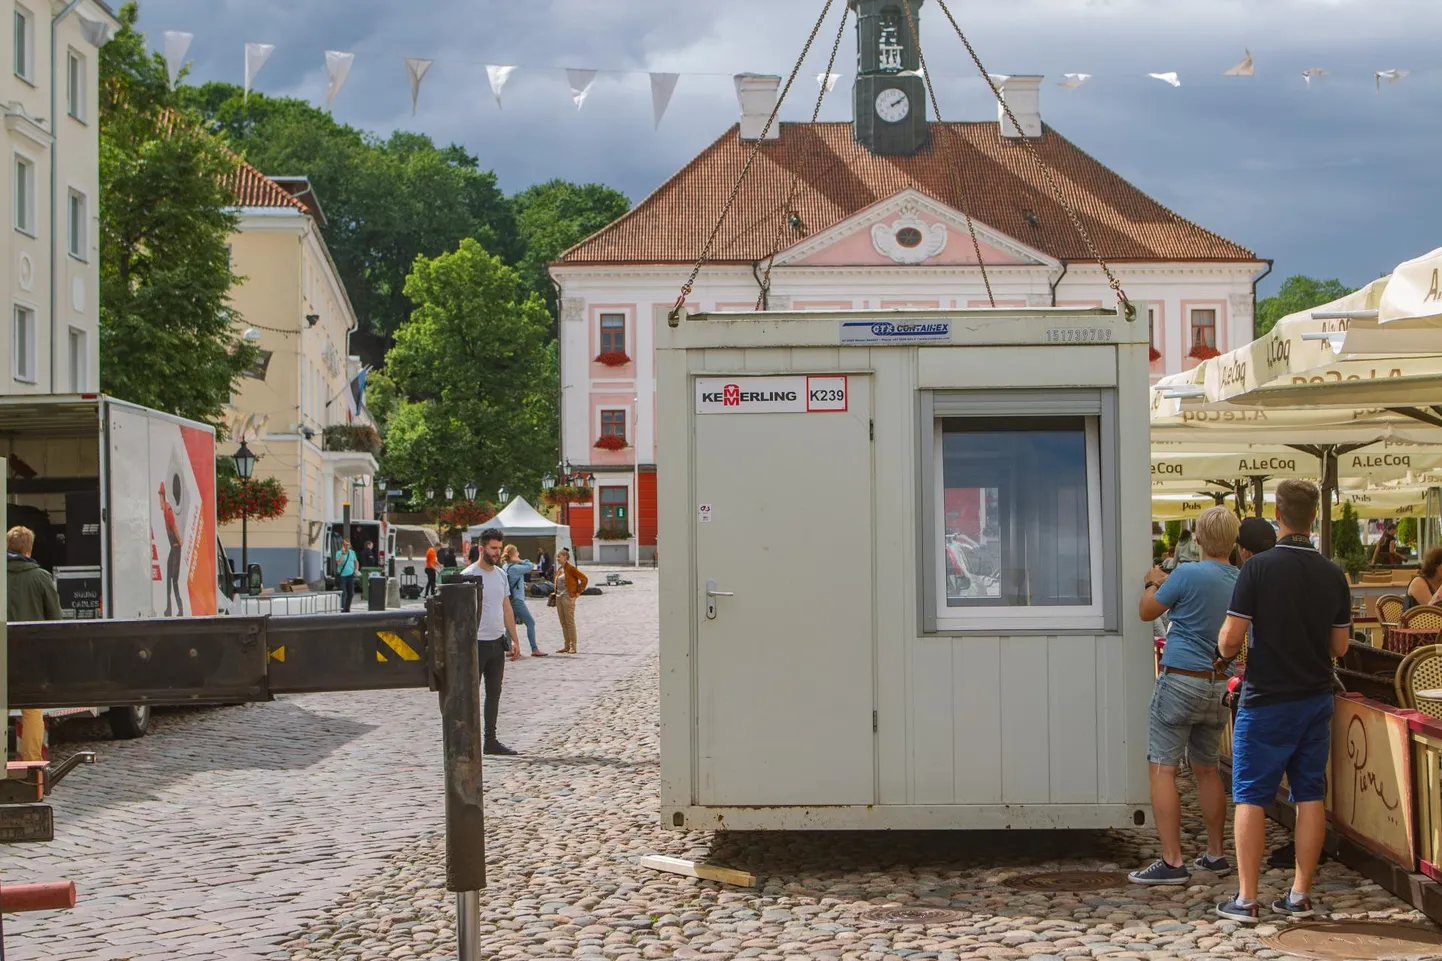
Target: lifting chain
x=690 y=284
x=786 y=209
x=1128 y=307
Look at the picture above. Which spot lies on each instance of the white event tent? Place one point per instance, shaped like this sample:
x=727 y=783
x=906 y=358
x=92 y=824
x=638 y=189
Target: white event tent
x=527 y=528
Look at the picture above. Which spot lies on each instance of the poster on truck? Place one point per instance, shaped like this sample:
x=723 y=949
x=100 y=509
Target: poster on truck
x=162 y=488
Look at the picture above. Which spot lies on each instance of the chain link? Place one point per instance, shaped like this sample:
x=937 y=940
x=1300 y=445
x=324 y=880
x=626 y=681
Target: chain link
x=690 y=283
x=1113 y=282
x=761 y=298
x=955 y=166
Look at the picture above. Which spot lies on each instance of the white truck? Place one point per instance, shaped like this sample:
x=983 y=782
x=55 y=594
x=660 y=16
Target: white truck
x=122 y=500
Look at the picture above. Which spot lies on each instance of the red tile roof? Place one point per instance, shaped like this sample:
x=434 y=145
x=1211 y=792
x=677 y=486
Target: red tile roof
x=254 y=189
x=1000 y=183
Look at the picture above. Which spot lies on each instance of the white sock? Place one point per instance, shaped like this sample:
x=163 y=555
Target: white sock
x=1296 y=898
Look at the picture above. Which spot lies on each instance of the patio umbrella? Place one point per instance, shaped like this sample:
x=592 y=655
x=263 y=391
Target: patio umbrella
x=1414 y=295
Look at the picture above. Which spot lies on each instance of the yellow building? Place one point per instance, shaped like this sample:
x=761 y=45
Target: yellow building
x=49 y=258
x=297 y=408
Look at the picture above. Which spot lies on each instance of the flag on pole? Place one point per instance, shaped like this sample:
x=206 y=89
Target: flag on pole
x=256 y=54
x=498 y=76
x=417 y=70
x=177 y=44
x=663 y=85
x=337 y=68
x=1244 y=69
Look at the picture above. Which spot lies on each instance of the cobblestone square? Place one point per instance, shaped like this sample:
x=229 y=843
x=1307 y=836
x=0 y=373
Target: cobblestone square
x=310 y=829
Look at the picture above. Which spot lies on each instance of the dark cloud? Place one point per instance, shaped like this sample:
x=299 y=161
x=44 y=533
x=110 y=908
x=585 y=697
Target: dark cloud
x=1338 y=180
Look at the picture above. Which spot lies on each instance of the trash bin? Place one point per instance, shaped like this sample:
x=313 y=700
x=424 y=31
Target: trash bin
x=376 y=592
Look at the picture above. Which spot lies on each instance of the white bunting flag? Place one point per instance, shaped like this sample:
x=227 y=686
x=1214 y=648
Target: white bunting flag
x=337 y=68
x=663 y=85
x=177 y=44
x=1244 y=69
x=827 y=81
x=498 y=77
x=1170 y=78
x=1311 y=72
x=1074 y=80
x=1391 y=76
x=417 y=69
x=97 y=33
x=256 y=54
x=581 y=82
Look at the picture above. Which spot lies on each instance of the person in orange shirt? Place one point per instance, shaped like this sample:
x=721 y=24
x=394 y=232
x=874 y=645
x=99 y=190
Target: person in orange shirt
x=433 y=564
x=570 y=584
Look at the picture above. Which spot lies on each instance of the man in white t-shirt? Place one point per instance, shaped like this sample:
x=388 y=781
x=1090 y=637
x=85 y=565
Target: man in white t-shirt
x=497 y=623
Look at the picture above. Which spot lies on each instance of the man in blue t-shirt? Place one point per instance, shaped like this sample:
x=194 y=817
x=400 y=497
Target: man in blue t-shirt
x=1187 y=714
x=1299 y=610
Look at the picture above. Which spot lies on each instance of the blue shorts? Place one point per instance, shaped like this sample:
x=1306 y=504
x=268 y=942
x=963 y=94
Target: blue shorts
x=1293 y=738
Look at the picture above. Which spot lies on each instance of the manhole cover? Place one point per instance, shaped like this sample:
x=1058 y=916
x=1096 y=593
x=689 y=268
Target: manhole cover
x=1357 y=941
x=1069 y=881
x=912 y=915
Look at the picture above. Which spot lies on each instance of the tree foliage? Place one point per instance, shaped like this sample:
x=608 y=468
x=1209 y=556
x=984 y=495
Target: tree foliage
x=475 y=378
x=1347 y=541
x=555 y=216
x=166 y=326
x=1297 y=294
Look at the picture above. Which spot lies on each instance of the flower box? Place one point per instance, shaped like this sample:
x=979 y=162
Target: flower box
x=611 y=442
x=622 y=535
x=613 y=358
x=1155 y=355
x=260 y=500
x=566 y=494
x=1203 y=352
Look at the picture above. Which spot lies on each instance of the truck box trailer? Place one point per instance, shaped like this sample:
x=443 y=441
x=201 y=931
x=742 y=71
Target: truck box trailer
x=904 y=555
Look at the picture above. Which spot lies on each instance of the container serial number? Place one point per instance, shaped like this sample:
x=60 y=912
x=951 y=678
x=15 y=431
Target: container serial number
x=1079 y=335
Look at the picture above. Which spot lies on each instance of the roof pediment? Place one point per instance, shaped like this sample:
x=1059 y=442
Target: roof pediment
x=910 y=229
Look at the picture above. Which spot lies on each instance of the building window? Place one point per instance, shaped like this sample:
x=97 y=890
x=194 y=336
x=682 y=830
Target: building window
x=24 y=195
x=75 y=86
x=1204 y=329
x=23 y=344
x=24 y=45
x=78 y=221
x=79 y=361
x=613 y=333
x=613 y=509
x=613 y=423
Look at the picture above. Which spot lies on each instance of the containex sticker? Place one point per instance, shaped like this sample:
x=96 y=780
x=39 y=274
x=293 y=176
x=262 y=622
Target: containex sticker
x=771 y=395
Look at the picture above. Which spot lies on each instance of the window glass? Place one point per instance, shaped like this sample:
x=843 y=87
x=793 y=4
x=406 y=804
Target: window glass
x=1204 y=328
x=613 y=423
x=75 y=85
x=22 y=43
x=613 y=333
x=24 y=343
x=78 y=223
x=1016 y=512
x=613 y=508
x=24 y=195
x=78 y=361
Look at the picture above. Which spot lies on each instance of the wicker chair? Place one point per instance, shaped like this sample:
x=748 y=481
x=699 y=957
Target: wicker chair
x=1421 y=671
x=1389 y=609
x=1424 y=616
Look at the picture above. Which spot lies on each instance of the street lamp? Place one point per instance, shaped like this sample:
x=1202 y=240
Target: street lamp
x=450 y=494
x=503 y=495
x=430 y=494
x=471 y=490
x=548 y=481
x=244 y=468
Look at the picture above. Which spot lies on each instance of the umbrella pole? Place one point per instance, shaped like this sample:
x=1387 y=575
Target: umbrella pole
x=1257 y=492
x=1329 y=491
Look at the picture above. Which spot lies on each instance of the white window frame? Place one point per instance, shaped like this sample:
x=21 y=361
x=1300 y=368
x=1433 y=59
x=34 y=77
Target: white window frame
x=22 y=55
x=79 y=359
x=30 y=355
x=77 y=231
x=77 y=85
x=26 y=212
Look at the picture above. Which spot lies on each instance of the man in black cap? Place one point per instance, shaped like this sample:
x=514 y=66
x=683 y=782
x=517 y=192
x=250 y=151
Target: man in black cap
x=1255 y=537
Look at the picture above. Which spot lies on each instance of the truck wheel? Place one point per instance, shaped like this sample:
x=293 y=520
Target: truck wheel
x=128 y=723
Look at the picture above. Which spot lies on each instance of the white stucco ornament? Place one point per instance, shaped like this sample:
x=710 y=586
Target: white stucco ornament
x=77 y=295
x=27 y=272
x=909 y=239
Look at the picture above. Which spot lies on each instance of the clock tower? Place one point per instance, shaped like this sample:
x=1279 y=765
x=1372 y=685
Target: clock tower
x=890 y=93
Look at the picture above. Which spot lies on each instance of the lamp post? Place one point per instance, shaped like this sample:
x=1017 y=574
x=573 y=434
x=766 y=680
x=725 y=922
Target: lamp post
x=244 y=467
x=471 y=491
x=503 y=494
x=450 y=494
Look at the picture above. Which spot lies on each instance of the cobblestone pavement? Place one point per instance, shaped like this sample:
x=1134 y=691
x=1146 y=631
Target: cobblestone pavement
x=567 y=825
x=225 y=831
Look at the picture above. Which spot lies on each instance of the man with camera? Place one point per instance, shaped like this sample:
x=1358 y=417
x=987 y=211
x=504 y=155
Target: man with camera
x=1299 y=609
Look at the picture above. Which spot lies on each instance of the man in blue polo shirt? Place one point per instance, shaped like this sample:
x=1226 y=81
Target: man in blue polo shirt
x=1299 y=609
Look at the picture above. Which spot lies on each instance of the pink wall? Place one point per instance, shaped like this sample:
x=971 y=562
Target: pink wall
x=612 y=401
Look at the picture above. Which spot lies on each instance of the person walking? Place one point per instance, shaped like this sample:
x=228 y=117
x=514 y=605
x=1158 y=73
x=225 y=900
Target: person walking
x=31 y=597
x=1187 y=714
x=1299 y=608
x=497 y=624
x=346 y=566
x=516 y=571
x=433 y=564
x=570 y=584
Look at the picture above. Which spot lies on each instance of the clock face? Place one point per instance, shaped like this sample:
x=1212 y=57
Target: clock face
x=893 y=105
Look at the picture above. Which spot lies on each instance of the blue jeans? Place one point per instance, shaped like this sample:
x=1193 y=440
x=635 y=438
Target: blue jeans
x=524 y=615
x=347 y=591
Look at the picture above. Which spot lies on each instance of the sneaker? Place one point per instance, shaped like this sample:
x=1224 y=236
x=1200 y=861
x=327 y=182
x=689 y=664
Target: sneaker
x=1218 y=866
x=1230 y=910
x=1160 y=872
x=539 y=654
x=1294 y=909
x=496 y=747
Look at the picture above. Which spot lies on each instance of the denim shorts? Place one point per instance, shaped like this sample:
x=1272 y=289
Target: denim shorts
x=1187 y=718
x=1292 y=738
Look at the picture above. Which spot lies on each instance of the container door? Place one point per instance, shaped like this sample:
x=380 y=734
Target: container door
x=783 y=519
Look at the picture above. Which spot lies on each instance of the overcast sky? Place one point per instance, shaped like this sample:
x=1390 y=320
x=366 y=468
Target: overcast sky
x=1336 y=181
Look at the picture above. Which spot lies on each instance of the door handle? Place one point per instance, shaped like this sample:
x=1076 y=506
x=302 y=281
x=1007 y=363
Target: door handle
x=711 y=595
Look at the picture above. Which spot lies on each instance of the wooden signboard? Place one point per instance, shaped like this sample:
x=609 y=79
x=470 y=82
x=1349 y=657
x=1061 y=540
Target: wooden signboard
x=1369 y=784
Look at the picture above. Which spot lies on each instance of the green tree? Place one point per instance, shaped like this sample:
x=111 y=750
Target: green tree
x=166 y=328
x=1347 y=545
x=475 y=362
x=1297 y=294
x=555 y=216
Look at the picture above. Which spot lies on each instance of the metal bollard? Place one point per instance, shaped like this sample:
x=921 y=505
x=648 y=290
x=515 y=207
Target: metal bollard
x=460 y=697
x=45 y=896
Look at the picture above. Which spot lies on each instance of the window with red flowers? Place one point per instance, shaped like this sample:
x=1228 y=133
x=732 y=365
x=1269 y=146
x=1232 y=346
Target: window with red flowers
x=613 y=423
x=613 y=334
x=1204 y=329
